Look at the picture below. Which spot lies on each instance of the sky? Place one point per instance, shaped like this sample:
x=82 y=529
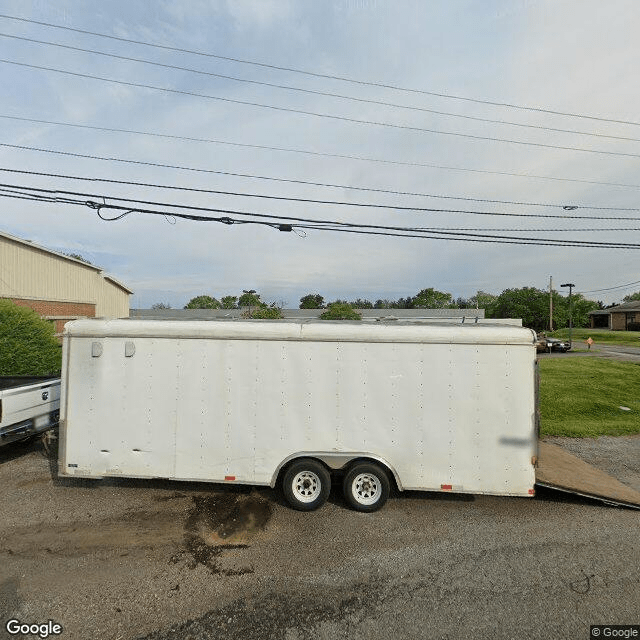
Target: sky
x=577 y=57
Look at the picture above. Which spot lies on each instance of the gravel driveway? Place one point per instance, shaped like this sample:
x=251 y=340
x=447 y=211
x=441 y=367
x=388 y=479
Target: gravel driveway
x=153 y=559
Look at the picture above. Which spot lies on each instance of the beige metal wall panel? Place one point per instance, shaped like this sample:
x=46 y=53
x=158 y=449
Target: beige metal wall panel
x=33 y=273
x=111 y=300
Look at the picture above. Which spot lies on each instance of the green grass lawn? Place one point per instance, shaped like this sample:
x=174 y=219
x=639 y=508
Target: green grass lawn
x=581 y=397
x=599 y=336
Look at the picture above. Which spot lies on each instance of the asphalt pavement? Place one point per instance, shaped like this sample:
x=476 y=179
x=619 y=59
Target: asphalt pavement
x=123 y=559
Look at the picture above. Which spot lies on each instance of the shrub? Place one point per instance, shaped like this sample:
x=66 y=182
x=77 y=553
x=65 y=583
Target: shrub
x=340 y=311
x=202 y=302
x=28 y=346
x=264 y=313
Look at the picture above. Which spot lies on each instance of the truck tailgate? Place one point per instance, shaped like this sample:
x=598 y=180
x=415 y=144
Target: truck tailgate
x=560 y=470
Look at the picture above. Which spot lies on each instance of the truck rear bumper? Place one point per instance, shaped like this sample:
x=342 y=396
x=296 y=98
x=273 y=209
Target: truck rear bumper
x=28 y=428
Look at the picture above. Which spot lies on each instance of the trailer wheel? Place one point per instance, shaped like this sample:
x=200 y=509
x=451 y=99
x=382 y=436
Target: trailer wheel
x=366 y=487
x=306 y=485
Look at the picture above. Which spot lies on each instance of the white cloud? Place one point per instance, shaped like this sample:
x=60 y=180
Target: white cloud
x=572 y=56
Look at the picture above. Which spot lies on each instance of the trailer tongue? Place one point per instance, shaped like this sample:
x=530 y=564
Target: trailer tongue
x=560 y=470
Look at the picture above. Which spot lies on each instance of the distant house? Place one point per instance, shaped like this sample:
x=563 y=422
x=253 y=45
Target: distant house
x=623 y=317
x=58 y=287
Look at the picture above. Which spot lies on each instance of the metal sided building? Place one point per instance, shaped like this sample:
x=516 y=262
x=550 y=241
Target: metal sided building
x=58 y=287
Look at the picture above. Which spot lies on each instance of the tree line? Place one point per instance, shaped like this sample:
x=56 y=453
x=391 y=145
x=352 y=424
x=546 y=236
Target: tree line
x=528 y=303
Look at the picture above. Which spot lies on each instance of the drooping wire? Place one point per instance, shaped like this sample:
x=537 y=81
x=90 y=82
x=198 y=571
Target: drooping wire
x=275 y=221
x=304 y=182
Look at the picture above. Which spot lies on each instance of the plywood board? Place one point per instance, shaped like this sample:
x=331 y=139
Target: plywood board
x=559 y=469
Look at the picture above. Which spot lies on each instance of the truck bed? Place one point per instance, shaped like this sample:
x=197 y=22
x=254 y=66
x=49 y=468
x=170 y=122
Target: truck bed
x=29 y=405
x=11 y=382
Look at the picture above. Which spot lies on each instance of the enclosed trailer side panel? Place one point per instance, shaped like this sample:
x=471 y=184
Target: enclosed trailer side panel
x=452 y=415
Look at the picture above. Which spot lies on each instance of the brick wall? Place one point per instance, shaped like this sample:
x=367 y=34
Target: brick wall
x=618 y=322
x=58 y=312
x=51 y=308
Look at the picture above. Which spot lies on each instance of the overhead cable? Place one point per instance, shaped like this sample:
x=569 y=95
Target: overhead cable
x=620 y=286
x=317 y=114
x=315 y=92
x=249 y=217
x=245 y=194
x=289 y=181
x=321 y=153
x=317 y=74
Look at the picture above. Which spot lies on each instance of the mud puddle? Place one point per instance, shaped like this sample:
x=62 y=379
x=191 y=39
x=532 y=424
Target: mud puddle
x=217 y=527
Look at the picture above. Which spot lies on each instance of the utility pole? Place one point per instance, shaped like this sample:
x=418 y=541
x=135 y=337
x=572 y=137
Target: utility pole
x=550 y=303
x=570 y=285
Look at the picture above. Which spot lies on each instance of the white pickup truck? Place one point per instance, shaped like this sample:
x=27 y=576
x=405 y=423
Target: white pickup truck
x=28 y=406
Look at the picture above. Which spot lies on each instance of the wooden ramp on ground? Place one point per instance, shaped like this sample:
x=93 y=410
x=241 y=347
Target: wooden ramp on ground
x=560 y=470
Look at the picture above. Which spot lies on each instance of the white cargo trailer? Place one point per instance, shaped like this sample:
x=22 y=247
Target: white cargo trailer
x=427 y=407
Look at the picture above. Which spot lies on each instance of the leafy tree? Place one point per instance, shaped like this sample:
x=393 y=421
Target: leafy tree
x=161 y=305
x=202 y=302
x=431 y=299
x=403 y=303
x=632 y=297
x=250 y=300
x=28 y=346
x=340 y=311
x=528 y=303
x=382 y=304
x=312 y=301
x=532 y=305
x=229 y=302
x=361 y=304
x=482 y=300
x=77 y=256
x=580 y=308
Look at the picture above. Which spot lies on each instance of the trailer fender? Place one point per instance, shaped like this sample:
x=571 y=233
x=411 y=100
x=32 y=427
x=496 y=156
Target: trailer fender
x=335 y=461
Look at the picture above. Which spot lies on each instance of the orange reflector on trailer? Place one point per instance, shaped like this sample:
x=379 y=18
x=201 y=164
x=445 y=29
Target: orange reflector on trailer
x=446 y=487
x=229 y=477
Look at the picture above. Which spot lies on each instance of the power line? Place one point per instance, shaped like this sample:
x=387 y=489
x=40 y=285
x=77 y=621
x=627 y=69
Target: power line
x=513 y=242
x=274 y=179
x=276 y=221
x=245 y=194
x=316 y=74
x=319 y=93
x=620 y=286
x=317 y=114
x=321 y=153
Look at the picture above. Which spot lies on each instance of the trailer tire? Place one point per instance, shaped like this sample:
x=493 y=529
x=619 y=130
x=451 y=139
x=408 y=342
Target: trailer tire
x=366 y=487
x=306 y=484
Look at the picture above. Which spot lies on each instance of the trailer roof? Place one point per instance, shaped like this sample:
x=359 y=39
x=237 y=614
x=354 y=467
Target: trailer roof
x=313 y=330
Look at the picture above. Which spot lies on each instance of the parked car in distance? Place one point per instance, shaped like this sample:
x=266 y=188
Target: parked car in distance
x=553 y=344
